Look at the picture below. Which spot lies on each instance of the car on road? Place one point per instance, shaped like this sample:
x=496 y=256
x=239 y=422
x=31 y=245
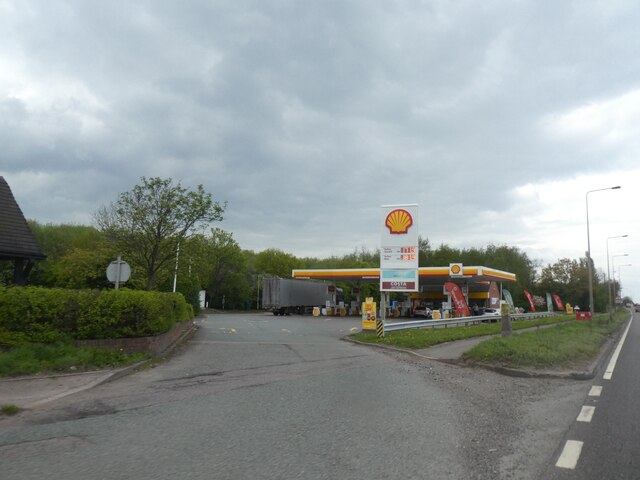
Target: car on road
x=422 y=311
x=637 y=307
x=490 y=314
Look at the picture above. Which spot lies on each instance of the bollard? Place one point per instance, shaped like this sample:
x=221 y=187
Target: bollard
x=379 y=328
x=506 y=320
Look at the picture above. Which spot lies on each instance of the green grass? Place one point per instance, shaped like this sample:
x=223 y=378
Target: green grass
x=35 y=358
x=9 y=409
x=426 y=337
x=554 y=347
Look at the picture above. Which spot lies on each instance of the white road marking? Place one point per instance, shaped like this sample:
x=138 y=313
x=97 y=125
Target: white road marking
x=612 y=363
x=570 y=454
x=595 y=391
x=586 y=414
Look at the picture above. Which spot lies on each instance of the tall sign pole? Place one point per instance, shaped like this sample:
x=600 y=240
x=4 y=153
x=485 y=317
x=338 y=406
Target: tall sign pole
x=398 y=251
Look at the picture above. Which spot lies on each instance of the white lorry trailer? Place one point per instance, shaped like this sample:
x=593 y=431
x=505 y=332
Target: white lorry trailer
x=284 y=296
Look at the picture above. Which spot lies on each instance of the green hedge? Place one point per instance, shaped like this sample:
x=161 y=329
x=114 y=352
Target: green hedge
x=33 y=314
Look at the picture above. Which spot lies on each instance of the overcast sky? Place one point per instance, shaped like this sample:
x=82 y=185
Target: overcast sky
x=496 y=117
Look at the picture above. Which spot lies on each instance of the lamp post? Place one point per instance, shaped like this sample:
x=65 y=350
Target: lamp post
x=611 y=305
x=589 y=245
x=619 y=275
x=613 y=270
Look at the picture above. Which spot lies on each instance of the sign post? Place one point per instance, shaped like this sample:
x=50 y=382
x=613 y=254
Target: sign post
x=118 y=272
x=398 y=252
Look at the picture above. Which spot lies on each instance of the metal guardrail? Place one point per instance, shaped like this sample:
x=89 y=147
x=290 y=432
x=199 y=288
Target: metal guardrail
x=396 y=326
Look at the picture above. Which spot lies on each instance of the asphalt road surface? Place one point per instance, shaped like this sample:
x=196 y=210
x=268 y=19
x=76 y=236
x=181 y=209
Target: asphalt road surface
x=257 y=396
x=604 y=441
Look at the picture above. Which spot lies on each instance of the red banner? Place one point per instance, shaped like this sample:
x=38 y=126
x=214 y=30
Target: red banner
x=559 y=304
x=533 y=308
x=458 y=298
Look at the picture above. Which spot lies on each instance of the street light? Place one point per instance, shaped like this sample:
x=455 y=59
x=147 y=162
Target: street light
x=611 y=305
x=589 y=245
x=613 y=257
x=613 y=270
x=619 y=275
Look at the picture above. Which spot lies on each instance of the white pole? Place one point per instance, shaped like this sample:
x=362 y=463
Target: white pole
x=119 y=260
x=175 y=274
x=589 y=245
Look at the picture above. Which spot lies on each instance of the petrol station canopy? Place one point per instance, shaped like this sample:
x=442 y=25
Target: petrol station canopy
x=427 y=275
x=475 y=281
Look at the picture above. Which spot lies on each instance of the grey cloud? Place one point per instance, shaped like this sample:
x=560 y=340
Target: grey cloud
x=305 y=114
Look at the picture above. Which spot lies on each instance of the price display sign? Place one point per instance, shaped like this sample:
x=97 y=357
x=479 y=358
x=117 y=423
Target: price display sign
x=399 y=247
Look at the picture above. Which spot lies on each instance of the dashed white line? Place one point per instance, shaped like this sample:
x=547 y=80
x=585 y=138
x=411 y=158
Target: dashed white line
x=570 y=454
x=612 y=363
x=596 y=391
x=586 y=414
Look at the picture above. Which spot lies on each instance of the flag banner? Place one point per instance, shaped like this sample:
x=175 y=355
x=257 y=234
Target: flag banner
x=507 y=296
x=528 y=295
x=559 y=304
x=458 y=299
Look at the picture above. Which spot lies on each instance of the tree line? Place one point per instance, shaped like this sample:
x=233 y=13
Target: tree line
x=159 y=225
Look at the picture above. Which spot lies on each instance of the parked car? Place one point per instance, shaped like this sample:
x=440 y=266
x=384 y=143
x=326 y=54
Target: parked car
x=490 y=312
x=422 y=311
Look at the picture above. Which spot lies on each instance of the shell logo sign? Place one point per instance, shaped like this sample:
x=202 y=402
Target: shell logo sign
x=398 y=221
x=455 y=269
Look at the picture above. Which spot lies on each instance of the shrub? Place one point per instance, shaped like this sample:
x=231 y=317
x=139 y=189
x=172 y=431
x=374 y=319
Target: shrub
x=45 y=315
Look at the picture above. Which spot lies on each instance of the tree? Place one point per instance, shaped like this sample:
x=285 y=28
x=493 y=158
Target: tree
x=77 y=256
x=424 y=251
x=569 y=279
x=276 y=262
x=147 y=223
x=223 y=270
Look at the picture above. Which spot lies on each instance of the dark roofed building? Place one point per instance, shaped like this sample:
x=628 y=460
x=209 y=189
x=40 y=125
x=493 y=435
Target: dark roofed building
x=17 y=242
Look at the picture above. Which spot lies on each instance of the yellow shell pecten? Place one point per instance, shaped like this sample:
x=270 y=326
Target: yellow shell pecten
x=399 y=221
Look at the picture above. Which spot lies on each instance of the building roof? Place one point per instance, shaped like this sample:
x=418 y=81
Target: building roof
x=16 y=238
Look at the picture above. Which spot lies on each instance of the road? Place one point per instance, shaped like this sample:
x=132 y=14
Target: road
x=262 y=397
x=603 y=441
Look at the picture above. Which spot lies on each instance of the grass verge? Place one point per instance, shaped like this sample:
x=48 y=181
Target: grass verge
x=9 y=409
x=427 y=337
x=560 y=346
x=61 y=357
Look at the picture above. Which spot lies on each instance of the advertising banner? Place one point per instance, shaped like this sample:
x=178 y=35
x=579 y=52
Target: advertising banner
x=528 y=295
x=549 y=303
x=369 y=314
x=559 y=304
x=458 y=299
x=507 y=296
x=399 y=280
